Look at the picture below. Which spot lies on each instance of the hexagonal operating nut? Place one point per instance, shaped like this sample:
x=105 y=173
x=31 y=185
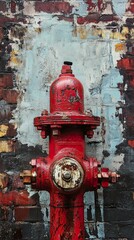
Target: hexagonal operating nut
x=67 y=174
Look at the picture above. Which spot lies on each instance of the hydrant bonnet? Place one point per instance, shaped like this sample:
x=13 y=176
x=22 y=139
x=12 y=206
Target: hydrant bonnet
x=66 y=92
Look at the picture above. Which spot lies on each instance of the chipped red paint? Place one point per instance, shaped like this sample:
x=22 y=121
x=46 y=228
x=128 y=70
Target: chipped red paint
x=91 y=5
x=53 y=7
x=131 y=143
x=67 y=214
x=95 y=13
x=95 y=7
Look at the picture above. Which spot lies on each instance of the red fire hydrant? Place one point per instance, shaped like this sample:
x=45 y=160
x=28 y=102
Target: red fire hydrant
x=67 y=173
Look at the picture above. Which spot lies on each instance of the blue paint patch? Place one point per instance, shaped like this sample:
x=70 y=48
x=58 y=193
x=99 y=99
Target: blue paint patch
x=81 y=8
x=119 y=7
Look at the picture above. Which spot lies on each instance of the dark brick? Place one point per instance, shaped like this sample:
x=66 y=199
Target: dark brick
x=6 y=80
x=13 y=6
x=111 y=231
x=28 y=214
x=19 y=160
x=1 y=33
x=117 y=198
x=37 y=231
x=126 y=230
x=11 y=132
x=53 y=7
x=108 y=18
x=4 y=213
x=23 y=231
x=3 y=6
x=10 y=231
x=118 y=214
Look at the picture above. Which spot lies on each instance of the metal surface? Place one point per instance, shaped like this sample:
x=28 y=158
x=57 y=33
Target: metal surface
x=67 y=173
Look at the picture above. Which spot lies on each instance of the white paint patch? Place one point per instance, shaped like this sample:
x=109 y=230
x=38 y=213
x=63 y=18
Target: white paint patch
x=29 y=9
x=108 y=9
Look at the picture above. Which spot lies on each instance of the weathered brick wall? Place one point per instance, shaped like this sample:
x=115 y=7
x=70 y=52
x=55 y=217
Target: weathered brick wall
x=35 y=38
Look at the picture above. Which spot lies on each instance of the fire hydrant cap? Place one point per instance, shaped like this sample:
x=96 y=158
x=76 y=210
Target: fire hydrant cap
x=67 y=174
x=68 y=63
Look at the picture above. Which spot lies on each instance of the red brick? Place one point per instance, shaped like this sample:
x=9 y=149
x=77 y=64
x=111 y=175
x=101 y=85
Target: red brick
x=13 y=6
x=9 y=95
x=28 y=214
x=126 y=63
x=53 y=7
x=131 y=143
x=2 y=6
x=11 y=131
x=17 y=198
x=6 y=80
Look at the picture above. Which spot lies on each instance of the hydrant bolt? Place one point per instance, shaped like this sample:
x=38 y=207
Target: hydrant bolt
x=66 y=176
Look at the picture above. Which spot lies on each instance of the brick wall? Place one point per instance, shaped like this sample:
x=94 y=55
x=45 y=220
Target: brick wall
x=42 y=32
